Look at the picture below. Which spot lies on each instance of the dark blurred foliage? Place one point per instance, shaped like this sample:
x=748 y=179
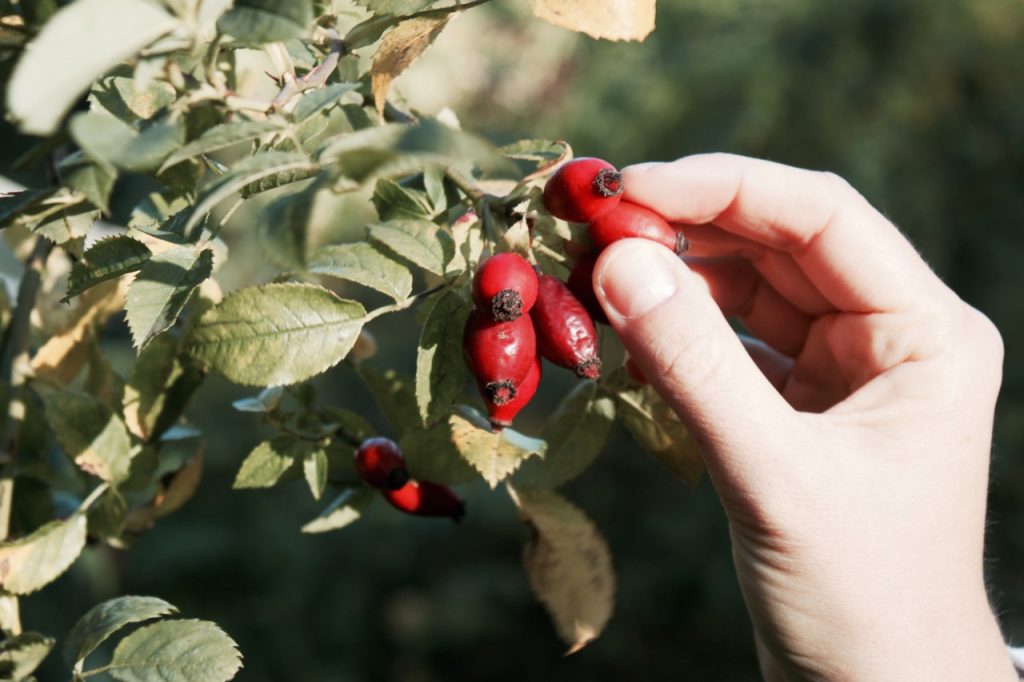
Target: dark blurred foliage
x=919 y=104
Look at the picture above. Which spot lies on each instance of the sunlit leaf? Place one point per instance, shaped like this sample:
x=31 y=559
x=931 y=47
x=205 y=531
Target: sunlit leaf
x=608 y=19
x=106 y=259
x=162 y=288
x=105 y=619
x=268 y=462
x=178 y=649
x=418 y=241
x=221 y=136
x=91 y=432
x=440 y=367
x=364 y=264
x=657 y=429
x=401 y=46
x=265 y=21
x=495 y=455
x=21 y=654
x=344 y=510
x=568 y=565
x=276 y=334
x=35 y=560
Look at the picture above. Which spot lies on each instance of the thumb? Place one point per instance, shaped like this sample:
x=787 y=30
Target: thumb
x=676 y=333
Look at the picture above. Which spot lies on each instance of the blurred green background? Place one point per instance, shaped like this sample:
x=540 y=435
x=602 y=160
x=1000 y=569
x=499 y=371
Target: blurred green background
x=919 y=104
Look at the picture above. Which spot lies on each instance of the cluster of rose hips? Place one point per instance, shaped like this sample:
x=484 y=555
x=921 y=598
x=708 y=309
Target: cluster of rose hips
x=589 y=190
x=519 y=317
x=380 y=464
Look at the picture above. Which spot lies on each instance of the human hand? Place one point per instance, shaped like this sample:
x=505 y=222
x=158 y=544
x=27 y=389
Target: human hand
x=850 y=442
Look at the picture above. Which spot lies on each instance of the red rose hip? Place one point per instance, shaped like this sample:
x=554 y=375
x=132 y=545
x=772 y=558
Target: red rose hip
x=380 y=463
x=423 y=498
x=498 y=354
x=566 y=335
x=581 y=284
x=502 y=415
x=505 y=286
x=633 y=220
x=582 y=190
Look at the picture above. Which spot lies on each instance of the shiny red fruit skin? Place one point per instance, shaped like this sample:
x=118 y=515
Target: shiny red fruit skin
x=423 y=498
x=498 y=354
x=632 y=220
x=566 y=335
x=380 y=463
x=581 y=284
x=502 y=415
x=505 y=285
x=582 y=190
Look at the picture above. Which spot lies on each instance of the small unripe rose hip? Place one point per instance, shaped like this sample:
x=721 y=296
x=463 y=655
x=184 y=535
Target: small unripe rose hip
x=581 y=284
x=505 y=286
x=582 y=190
x=380 y=463
x=498 y=354
x=566 y=335
x=633 y=220
x=423 y=498
x=502 y=415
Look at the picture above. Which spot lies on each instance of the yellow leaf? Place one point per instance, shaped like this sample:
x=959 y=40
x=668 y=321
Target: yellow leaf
x=401 y=46
x=494 y=454
x=64 y=354
x=608 y=19
x=568 y=565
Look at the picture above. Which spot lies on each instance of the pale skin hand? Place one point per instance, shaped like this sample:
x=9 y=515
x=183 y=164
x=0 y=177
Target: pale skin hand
x=850 y=444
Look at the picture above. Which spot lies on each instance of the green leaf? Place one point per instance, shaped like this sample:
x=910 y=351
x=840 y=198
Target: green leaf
x=318 y=101
x=20 y=655
x=103 y=620
x=445 y=145
x=122 y=95
x=344 y=510
x=90 y=179
x=283 y=227
x=364 y=264
x=495 y=455
x=221 y=136
x=107 y=259
x=276 y=334
x=115 y=144
x=243 y=174
x=38 y=559
x=657 y=429
x=192 y=650
x=267 y=21
x=395 y=396
x=155 y=370
x=398 y=7
x=440 y=367
x=431 y=455
x=15 y=204
x=162 y=289
x=314 y=468
x=575 y=433
x=394 y=202
x=418 y=241
x=91 y=432
x=268 y=462
x=106 y=517
x=98 y=34
x=568 y=564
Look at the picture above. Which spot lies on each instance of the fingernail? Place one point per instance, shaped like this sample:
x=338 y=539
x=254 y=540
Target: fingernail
x=637 y=276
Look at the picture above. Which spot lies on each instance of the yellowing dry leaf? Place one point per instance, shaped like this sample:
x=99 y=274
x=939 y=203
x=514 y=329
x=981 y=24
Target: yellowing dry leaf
x=401 y=46
x=568 y=565
x=494 y=454
x=608 y=19
x=64 y=354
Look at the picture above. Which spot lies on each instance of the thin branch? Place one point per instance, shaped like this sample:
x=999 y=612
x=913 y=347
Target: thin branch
x=314 y=79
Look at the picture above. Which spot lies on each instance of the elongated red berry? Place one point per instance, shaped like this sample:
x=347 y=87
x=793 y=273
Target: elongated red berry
x=380 y=463
x=423 y=498
x=566 y=335
x=581 y=284
x=505 y=285
x=633 y=220
x=502 y=415
x=498 y=354
x=582 y=190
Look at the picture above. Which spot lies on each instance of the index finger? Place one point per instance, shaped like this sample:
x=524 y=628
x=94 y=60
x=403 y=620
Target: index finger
x=855 y=257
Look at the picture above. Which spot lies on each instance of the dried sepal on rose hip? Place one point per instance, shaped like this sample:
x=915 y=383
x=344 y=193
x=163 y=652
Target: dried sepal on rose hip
x=423 y=498
x=498 y=354
x=629 y=220
x=380 y=463
x=582 y=190
x=566 y=335
x=501 y=416
x=505 y=285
